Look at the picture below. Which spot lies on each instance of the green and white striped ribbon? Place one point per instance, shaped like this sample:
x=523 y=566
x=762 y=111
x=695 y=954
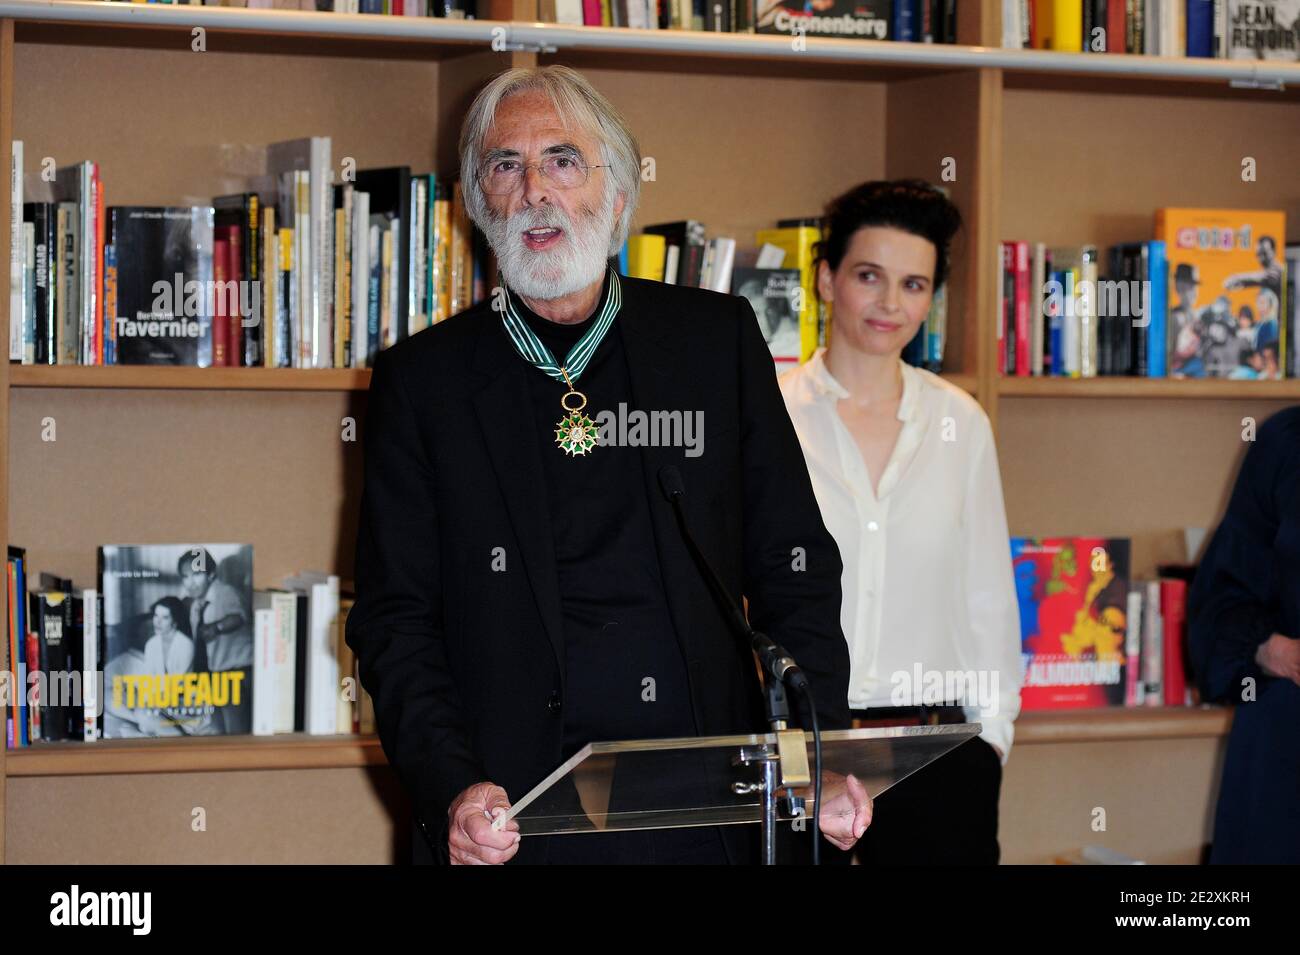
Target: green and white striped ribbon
x=532 y=350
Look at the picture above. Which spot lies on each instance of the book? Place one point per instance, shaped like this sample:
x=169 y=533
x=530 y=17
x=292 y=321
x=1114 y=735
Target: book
x=177 y=639
x=774 y=296
x=797 y=242
x=1226 y=279
x=853 y=19
x=1073 y=597
x=165 y=292
x=1263 y=29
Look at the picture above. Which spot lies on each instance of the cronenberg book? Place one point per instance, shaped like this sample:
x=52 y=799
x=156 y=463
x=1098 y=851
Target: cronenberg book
x=1073 y=596
x=177 y=639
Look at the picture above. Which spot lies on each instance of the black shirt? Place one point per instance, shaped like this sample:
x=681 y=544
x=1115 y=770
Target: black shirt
x=625 y=677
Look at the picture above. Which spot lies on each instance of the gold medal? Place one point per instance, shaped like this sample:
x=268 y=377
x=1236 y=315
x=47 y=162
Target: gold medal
x=575 y=433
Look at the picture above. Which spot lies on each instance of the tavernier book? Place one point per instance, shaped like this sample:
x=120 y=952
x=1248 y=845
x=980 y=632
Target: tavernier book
x=176 y=639
x=1073 y=596
x=165 y=293
x=1227 y=292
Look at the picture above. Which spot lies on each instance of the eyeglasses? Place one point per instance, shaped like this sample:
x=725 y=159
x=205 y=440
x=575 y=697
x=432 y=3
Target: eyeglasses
x=503 y=176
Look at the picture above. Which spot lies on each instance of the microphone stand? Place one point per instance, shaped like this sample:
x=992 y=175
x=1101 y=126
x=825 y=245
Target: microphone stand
x=778 y=668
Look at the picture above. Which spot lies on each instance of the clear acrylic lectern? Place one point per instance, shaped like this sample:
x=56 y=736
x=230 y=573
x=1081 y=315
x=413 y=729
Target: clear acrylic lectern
x=720 y=780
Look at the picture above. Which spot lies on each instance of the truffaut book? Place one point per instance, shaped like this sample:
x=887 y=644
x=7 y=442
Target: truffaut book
x=1073 y=596
x=177 y=639
x=165 y=294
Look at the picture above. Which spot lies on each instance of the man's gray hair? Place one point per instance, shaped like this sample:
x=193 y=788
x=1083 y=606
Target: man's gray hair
x=577 y=102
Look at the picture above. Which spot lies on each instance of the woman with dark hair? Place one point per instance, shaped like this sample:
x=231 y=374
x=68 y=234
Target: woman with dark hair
x=169 y=649
x=905 y=472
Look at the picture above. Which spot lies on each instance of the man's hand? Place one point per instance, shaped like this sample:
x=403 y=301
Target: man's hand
x=1279 y=655
x=471 y=840
x=845 y=811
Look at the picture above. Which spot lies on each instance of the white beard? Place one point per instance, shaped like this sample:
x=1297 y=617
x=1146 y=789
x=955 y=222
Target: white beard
x=579 y=260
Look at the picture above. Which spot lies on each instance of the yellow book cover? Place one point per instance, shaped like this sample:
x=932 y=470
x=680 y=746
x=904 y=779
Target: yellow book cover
x=339 y=331
x=1066 y=30
x=442 y=258
x=1227 y=291
x=645 y=257
x=797 y=244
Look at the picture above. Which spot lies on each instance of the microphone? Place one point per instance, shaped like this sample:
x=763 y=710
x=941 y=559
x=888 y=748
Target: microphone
x=776 y=662
x=774 y=658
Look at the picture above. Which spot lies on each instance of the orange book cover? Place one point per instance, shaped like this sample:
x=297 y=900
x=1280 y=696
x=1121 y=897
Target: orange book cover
x=1227 y=291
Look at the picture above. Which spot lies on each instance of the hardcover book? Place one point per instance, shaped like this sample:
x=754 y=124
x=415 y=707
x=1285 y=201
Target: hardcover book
x=1073 y=596
x=774 y=295
x=165 y=291
x=1227 y=292
x=177 y=639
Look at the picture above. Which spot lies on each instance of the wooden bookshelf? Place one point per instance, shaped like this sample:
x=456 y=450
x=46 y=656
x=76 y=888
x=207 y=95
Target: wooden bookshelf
x=1121 y=387
x=299 y=751
x=201 y=379
x=1054 y=147
x=196 y=755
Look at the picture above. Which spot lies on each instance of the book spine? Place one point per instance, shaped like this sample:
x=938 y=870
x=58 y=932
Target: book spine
x=1173 y=606
x=1157 y=327
x=16 y=263
x=220 y=301
x=1022 y=309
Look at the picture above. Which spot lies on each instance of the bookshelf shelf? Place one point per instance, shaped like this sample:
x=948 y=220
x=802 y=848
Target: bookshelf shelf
x=1119 y=387
x=536 y=37
x=1122 y=723
x=213 y=754
x=298 y=751
x=193 y=379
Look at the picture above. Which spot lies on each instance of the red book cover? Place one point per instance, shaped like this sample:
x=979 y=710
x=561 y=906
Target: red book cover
x=1115 y=27
x=1022 y=309
x=220 y=318
x=33 y=688
x=591 y=13
x=235 y=298
x=1173 y=607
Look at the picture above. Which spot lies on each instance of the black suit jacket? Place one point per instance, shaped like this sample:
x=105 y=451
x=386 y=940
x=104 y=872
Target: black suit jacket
x=464 y=663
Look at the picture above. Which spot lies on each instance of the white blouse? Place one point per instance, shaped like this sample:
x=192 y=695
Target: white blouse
x=929 y=608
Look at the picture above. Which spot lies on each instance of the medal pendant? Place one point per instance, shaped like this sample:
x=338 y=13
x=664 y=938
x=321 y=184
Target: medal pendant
x=575 y=433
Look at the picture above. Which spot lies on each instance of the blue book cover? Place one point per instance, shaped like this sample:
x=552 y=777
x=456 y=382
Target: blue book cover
x=1158 y=310
x=1056 y=320
x=904 y=22
x=1200 y=28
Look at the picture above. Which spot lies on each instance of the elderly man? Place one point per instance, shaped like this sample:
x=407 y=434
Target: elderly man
x=521 y=580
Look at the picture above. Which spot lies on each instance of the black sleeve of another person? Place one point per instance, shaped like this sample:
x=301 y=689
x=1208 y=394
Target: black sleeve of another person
x=1234 y=603
x=792 y=565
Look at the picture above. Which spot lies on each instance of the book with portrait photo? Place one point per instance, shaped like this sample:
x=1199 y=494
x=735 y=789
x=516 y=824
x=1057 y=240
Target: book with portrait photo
x=176 y=639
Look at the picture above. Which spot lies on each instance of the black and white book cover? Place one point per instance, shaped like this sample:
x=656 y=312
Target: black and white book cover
x=1263 y=29
x=773 y=294
x=165 y=294
x=177 y=644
